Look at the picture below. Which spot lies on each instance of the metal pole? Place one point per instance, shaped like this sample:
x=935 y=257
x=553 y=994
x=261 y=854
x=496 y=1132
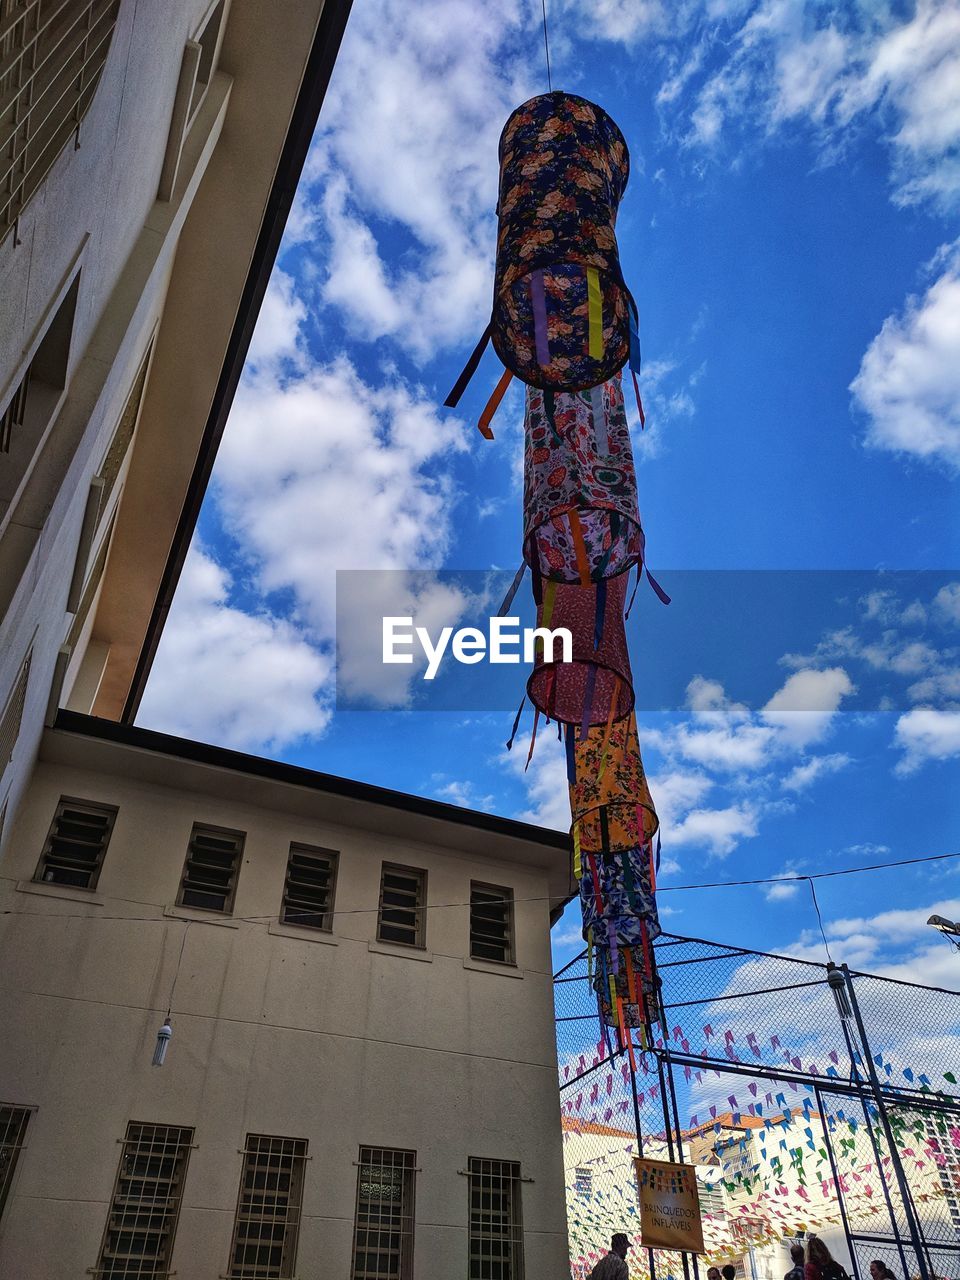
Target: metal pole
x=913 y=1227
x=636 y=1120
x=675 y=1109
x=837 y=1179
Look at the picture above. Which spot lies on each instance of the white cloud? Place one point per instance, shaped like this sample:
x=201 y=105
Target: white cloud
x=927 y=733
x=909 y=379
x=805 y=774
x=414 y=150
x=223 y=675
x=321 y=471
x=718 y=830
x=947 y=603
x=803 y=709
x=545 y=780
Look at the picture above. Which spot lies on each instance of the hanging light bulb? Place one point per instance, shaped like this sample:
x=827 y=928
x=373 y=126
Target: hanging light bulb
x=163 y=1039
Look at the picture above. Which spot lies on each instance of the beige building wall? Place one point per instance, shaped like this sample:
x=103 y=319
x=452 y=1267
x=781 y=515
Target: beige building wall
x=335 y=1038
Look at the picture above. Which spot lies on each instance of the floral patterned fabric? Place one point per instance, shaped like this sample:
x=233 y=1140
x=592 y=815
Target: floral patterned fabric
x=563 y=170
x=598 y=681
x=617 y=898
x=580 y=516
x=610 y=802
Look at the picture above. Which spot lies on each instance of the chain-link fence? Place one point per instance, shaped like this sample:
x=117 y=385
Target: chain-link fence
x=811 y=1099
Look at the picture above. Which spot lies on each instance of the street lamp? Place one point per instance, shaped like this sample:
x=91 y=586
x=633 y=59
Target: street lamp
x=949 y=928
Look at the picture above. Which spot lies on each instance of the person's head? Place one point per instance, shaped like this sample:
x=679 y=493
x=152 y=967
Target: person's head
x=817 y=1252
x=713 y=1273
x=728 y=1272
x=880 y=1271
x=619 y=1245
x=796 y=1253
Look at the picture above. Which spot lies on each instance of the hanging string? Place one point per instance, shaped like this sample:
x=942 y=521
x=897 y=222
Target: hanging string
x=546 y=45
x=816 y=904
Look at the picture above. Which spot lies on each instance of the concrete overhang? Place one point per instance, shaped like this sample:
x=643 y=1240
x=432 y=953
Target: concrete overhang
x=280 y=58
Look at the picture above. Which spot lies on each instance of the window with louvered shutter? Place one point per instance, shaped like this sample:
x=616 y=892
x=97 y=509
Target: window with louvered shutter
x=13 y=1135
x=491 y=923
x=308 y=888
x=402 y=913
x=76 y=844
x=52 y=53
x=145 y=1206
x=496 y=1227
x=211 y=869
x=268 y=1209
x=383 y=1229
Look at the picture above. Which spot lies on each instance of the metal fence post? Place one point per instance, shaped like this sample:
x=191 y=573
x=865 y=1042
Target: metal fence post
x=913 y=1226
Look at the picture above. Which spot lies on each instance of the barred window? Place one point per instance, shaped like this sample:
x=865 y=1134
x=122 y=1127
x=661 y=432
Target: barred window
x=12 y=716
x=496 y=1227
x=52 y=54
x=76 y=844
x=491 y=923
x=401 y=917
x=308 y=888
x=583 y=1181
x=142 y=1219
x=268 y=1209
x=211 y=869
x=13 y=1133
x=383 y=1230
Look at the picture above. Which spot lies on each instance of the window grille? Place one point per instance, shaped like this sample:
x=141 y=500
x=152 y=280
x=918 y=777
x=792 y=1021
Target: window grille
x=52 y=53
x=268 y=1209
x=76 y=843
x=211 y=869
x=402 y=913
x=583 y=1181
x=13 y=1133
x=383 y=1231
x=496 y=1228
x=13 y=416
x=491 y=923
x=12 y=716
x=142 y=1219
x=308 y=889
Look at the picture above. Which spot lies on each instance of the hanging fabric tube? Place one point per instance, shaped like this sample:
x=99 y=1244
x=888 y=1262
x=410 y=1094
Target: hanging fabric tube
x=610 y=803
x=597 y=683
x=561 y=310
x=581 y=520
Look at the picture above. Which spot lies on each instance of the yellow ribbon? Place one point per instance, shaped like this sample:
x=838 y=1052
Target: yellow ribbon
x=595 y=314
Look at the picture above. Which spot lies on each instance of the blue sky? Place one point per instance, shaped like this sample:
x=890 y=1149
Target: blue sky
x=790 y=232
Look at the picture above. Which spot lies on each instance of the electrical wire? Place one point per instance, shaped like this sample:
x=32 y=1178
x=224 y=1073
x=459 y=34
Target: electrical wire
x=445 y=906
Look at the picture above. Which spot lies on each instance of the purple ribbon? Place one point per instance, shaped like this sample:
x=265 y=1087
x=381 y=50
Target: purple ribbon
x=539 y=300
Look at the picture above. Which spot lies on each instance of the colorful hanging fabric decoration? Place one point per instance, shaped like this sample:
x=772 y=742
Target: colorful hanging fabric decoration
x=581 y=520
x=563 y=317
x=597 y=684
x=564 y=323
x=561 y=308
x=610 y=802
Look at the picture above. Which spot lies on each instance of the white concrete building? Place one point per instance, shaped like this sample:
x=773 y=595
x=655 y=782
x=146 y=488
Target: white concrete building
x=361 y=1080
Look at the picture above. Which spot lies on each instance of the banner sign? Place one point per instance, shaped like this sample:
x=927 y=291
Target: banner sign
x=669 y=1206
